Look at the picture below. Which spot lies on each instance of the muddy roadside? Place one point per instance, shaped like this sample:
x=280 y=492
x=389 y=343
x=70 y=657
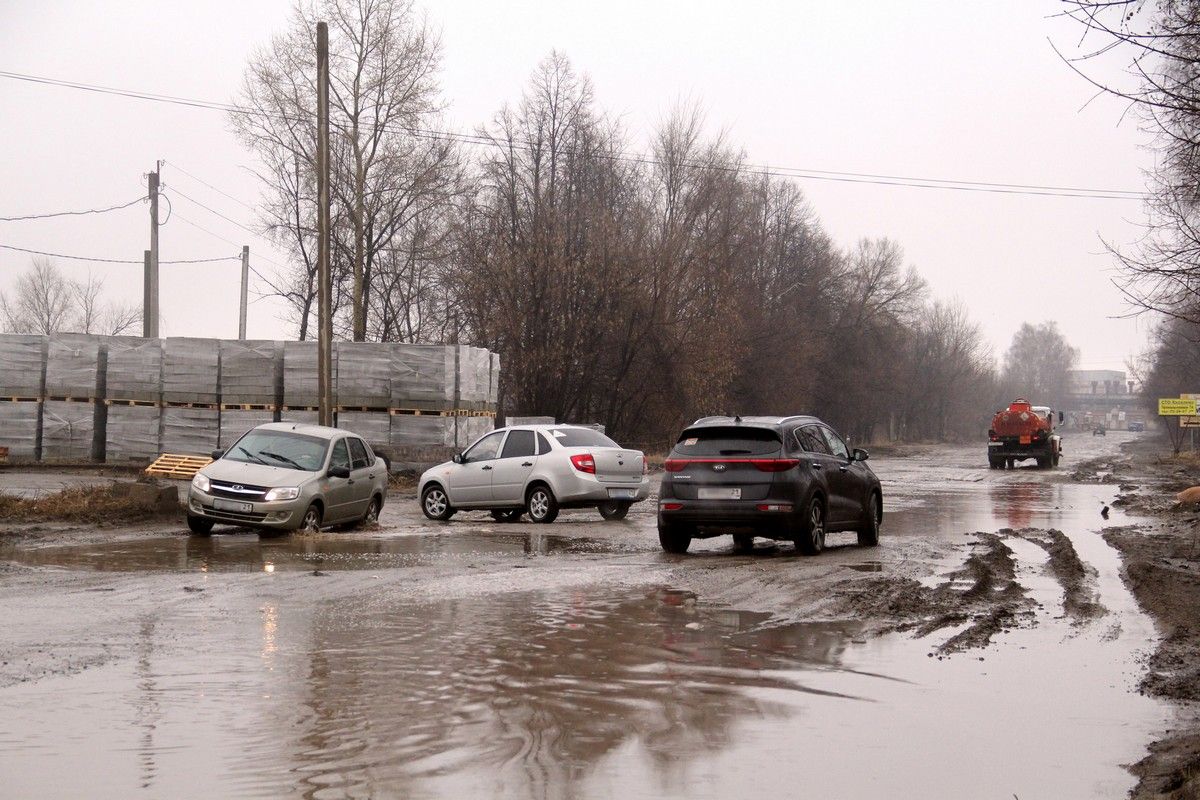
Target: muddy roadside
x=1161 y=560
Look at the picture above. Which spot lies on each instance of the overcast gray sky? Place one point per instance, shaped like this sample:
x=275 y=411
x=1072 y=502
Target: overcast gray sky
x=945 y=89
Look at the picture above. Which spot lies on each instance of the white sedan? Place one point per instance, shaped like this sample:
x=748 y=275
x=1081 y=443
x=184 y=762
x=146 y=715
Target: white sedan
x=537 y=469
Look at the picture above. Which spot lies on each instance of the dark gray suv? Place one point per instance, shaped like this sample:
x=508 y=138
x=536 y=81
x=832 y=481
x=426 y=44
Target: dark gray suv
x=778 y=477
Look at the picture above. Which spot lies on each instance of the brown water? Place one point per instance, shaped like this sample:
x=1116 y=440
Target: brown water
x=376 y=682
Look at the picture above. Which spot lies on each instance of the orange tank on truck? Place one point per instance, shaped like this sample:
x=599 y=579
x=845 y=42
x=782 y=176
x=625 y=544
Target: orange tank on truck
x=1023 y=431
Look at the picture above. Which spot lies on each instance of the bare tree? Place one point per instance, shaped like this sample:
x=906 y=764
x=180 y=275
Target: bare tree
x=393 y=175
x=1037 y=363
x=47 y=301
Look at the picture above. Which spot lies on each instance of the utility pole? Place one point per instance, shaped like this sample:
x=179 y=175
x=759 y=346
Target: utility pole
x=147 y=298
x=150 y=312
x=245 y=288
x=324 y=292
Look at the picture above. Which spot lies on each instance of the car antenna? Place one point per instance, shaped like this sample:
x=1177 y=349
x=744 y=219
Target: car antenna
x=737 y=417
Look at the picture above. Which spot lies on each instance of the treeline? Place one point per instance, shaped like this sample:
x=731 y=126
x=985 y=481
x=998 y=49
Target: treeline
x=640 y=289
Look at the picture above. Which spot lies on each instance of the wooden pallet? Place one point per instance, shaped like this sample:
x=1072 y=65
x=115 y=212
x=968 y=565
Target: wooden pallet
x=112 y=401
x=169 y=465
x=300 y=408
x=3 y=455
x=62 y=399
x=378 y=409
x=175 y=404
x=417 y=412
x=247 y=406
x=21 y=399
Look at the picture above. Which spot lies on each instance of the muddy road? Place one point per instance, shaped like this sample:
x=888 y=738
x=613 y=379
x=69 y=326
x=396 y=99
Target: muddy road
x=987 y=648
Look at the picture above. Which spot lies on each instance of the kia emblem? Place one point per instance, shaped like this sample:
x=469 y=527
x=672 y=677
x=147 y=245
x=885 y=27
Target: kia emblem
x=719 y=467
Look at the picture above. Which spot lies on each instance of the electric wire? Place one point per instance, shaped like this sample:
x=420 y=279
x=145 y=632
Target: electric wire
x=173 y=165
x=115 y=260
x=754 y=169
x=82 y=213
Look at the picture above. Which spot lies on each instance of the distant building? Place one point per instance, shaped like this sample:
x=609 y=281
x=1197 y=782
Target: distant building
x=1103 y=397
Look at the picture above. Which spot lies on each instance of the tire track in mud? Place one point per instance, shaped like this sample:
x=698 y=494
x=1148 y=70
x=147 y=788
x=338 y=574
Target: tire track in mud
x=984 y=595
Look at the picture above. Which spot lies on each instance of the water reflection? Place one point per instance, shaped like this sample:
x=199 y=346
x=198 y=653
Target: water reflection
x=524 y=694
x=249 y=553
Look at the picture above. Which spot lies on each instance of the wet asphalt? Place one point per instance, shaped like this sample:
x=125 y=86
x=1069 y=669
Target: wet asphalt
x=481 y=659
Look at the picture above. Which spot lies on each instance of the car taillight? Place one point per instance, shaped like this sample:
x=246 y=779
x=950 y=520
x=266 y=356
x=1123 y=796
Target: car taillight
x=675 y=464
x=645 y=466
x=774 y=506
x=671 y=506
x=774 y=464
x=584 y=463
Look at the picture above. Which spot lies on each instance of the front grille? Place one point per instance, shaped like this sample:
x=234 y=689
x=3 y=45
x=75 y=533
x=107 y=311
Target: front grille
x=236 y=516
x=244 y=491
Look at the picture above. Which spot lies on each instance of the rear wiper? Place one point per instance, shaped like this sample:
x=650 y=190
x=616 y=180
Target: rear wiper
x=252 y=455
x=284 y=459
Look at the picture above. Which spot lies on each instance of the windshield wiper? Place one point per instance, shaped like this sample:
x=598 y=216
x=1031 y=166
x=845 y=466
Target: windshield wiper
x=252 y=455
x=284 y=459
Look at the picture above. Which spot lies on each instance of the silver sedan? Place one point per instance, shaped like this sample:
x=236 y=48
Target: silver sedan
x=537 y=469
x=287 y=476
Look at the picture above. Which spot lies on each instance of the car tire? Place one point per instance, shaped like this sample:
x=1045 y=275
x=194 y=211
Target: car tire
x=541 y=505
x=436 y=503
x=995 y=463
x=743 y=542
x=371 y=515
x=613 y=510
x=810 y=540
x=674 y=538
x=507 y=514
x=311 y=521
x=199 y=525
x=868 y=534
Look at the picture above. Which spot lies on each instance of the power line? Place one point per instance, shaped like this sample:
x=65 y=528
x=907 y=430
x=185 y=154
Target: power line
x=758 y=169
x=259 y=257
x=75 y=213
x=209 y=185
x=214 y=212
x=115 y=260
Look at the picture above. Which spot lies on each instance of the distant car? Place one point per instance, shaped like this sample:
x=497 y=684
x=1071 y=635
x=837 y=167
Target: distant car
x=286 y=476
x=778 y=477
x=1137 y=427
x=537 y=470
x=1099 y=430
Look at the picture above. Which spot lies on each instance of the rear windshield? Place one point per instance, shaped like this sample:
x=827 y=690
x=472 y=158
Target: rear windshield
x=727 y=442
x=580 y=437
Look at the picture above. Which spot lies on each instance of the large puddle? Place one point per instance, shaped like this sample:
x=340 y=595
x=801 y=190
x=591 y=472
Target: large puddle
x=604 y=691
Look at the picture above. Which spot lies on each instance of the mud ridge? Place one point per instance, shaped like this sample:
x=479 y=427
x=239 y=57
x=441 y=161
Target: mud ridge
x=1080 y=595
x=991 y=603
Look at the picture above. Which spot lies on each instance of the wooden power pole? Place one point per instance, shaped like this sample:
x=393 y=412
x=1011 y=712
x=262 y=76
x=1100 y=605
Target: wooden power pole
x=245 y=289
x=324 y=291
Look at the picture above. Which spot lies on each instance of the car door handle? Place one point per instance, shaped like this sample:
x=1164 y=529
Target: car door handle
x=815 y=465
x=371 y=475
x=527 y=464
x=843 y=468
x=486 y=467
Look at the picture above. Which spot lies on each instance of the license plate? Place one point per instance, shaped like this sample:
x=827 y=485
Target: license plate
x=622 y=494
x=1026 y=439
x=230 y=505
x=723 y=493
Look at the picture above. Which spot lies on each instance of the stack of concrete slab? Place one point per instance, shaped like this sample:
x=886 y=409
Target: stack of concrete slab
x=20 y=428
x=191 y=431
x=494 y=380
x=251 y=373
x=422 y=376
x=134 y=369
x=374 y=426
x=236 y=422
x=300 y=374
x=132 y=434
x=22 y=367
x=191 y=371
x=74 y=367
x=69 y=430
x=22 y=385
x=425 y=430
x=364 y=376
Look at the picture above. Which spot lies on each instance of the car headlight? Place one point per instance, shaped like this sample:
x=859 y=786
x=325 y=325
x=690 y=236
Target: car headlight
x=200 y=482
x=289 y=493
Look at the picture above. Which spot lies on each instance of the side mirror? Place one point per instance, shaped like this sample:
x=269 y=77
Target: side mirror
x=216 y=454
x=457 y=458
x=339 y=472
x=860 y=455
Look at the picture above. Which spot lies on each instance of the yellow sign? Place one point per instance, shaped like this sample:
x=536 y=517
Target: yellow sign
x=1176 y=407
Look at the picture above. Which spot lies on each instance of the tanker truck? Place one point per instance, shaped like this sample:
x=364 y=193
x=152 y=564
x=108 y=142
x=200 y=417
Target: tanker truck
x=1024 y=431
